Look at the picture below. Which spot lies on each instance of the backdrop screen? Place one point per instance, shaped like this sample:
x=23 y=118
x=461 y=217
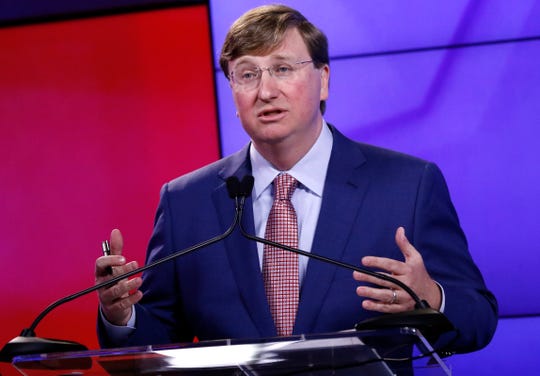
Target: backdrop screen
x=95 y=115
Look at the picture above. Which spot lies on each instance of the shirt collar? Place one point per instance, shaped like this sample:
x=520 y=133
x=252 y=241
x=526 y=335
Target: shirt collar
x=310 y=171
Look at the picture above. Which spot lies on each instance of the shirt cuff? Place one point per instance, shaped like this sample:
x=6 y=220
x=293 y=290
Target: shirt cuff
x=118 y=333
x=443 y=299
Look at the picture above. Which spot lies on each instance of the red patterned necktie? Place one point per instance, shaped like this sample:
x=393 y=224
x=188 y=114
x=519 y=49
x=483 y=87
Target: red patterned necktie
x=280 y=267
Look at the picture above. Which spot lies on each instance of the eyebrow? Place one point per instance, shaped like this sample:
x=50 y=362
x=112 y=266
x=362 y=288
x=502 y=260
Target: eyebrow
x=247 y=60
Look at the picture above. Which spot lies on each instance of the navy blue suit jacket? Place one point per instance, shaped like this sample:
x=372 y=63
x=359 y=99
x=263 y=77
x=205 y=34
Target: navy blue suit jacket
x=218 y=292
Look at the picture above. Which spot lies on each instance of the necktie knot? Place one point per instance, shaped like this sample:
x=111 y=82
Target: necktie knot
x=284 y=186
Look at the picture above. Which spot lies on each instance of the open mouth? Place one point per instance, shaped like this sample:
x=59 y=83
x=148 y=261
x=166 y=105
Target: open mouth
x=271 y=113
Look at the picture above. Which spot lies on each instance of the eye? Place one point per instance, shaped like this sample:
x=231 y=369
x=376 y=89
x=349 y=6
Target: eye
x=247 y=74
x=283 y=69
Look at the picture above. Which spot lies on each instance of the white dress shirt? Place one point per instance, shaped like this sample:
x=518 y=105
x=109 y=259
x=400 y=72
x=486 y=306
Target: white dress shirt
x=310 y=171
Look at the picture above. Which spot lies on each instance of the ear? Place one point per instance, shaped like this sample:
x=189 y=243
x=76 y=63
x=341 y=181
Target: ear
x=325 y=80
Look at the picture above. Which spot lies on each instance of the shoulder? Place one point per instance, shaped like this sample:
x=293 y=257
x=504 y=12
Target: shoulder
x=211 y=176
x=379 y=160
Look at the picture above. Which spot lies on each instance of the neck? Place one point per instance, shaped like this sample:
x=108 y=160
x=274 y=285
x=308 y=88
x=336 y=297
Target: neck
x=283 y=154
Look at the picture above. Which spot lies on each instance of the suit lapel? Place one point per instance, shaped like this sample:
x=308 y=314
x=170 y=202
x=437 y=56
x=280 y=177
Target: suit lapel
x=242 y=252
x=342 y=198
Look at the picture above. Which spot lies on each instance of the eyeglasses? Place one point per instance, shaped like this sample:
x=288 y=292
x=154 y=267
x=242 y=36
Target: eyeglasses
x=248 y=76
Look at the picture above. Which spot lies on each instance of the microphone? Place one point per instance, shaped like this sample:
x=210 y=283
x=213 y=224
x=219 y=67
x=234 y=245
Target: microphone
x=431 y=323
x=27 y=342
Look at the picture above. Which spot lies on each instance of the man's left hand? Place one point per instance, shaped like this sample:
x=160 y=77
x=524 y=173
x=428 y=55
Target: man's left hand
x=389 y=298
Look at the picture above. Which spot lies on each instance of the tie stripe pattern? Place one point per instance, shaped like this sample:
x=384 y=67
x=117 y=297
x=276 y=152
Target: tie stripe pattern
x=280 y=267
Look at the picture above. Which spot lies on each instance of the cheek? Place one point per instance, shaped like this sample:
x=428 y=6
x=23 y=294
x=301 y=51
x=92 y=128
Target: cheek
x=310 y=96
x=242 y=101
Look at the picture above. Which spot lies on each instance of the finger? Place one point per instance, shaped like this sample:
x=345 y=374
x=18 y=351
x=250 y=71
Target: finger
x=104 y=263
x=132 y=286
x=407 y=249
x=119 y=269
x=371 y=305
x=119 y=312
x=388 y=265
x=117 y=242
x=361 y=277
x=131 y=299
x=124 y=268
x=382 y=295
x=109 y=296
x=380 y=300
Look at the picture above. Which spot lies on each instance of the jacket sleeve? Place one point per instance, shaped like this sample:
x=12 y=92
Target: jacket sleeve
x=158 y=315
x=470 y=306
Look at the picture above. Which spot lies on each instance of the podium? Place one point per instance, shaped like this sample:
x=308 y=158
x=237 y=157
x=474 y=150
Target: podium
x=395 y=351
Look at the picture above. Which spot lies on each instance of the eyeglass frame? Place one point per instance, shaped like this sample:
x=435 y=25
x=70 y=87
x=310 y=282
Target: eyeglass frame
x=271 y=71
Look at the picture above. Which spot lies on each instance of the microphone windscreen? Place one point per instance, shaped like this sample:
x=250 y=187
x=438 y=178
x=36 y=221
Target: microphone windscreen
x=233 y=186
x=247 y=185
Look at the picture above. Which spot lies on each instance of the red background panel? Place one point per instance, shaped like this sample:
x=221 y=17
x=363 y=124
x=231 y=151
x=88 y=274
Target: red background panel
x=95 y=115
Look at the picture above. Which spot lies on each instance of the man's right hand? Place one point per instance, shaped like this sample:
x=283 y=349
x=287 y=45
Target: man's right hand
x=117 y=300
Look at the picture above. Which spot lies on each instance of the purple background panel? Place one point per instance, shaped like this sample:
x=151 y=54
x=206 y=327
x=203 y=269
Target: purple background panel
x=513 y=351
x=369 y=26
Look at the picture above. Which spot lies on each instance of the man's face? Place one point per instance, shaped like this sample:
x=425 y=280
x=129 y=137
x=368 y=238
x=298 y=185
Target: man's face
x=282 y=111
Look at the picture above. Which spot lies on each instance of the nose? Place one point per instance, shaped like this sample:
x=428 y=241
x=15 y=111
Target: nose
x=268 y=69
x=268 y=87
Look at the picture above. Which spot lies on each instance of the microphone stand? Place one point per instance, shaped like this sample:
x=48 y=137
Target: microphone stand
x=27 y=342
x=431 y=322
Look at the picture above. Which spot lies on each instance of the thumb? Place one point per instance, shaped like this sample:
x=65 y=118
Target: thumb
x=117 y=242
x=404 y=245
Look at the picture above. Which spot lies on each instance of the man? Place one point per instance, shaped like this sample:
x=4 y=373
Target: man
x=352 y=202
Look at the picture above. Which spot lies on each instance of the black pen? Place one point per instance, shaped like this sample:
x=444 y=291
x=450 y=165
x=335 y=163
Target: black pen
x=106 y=248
